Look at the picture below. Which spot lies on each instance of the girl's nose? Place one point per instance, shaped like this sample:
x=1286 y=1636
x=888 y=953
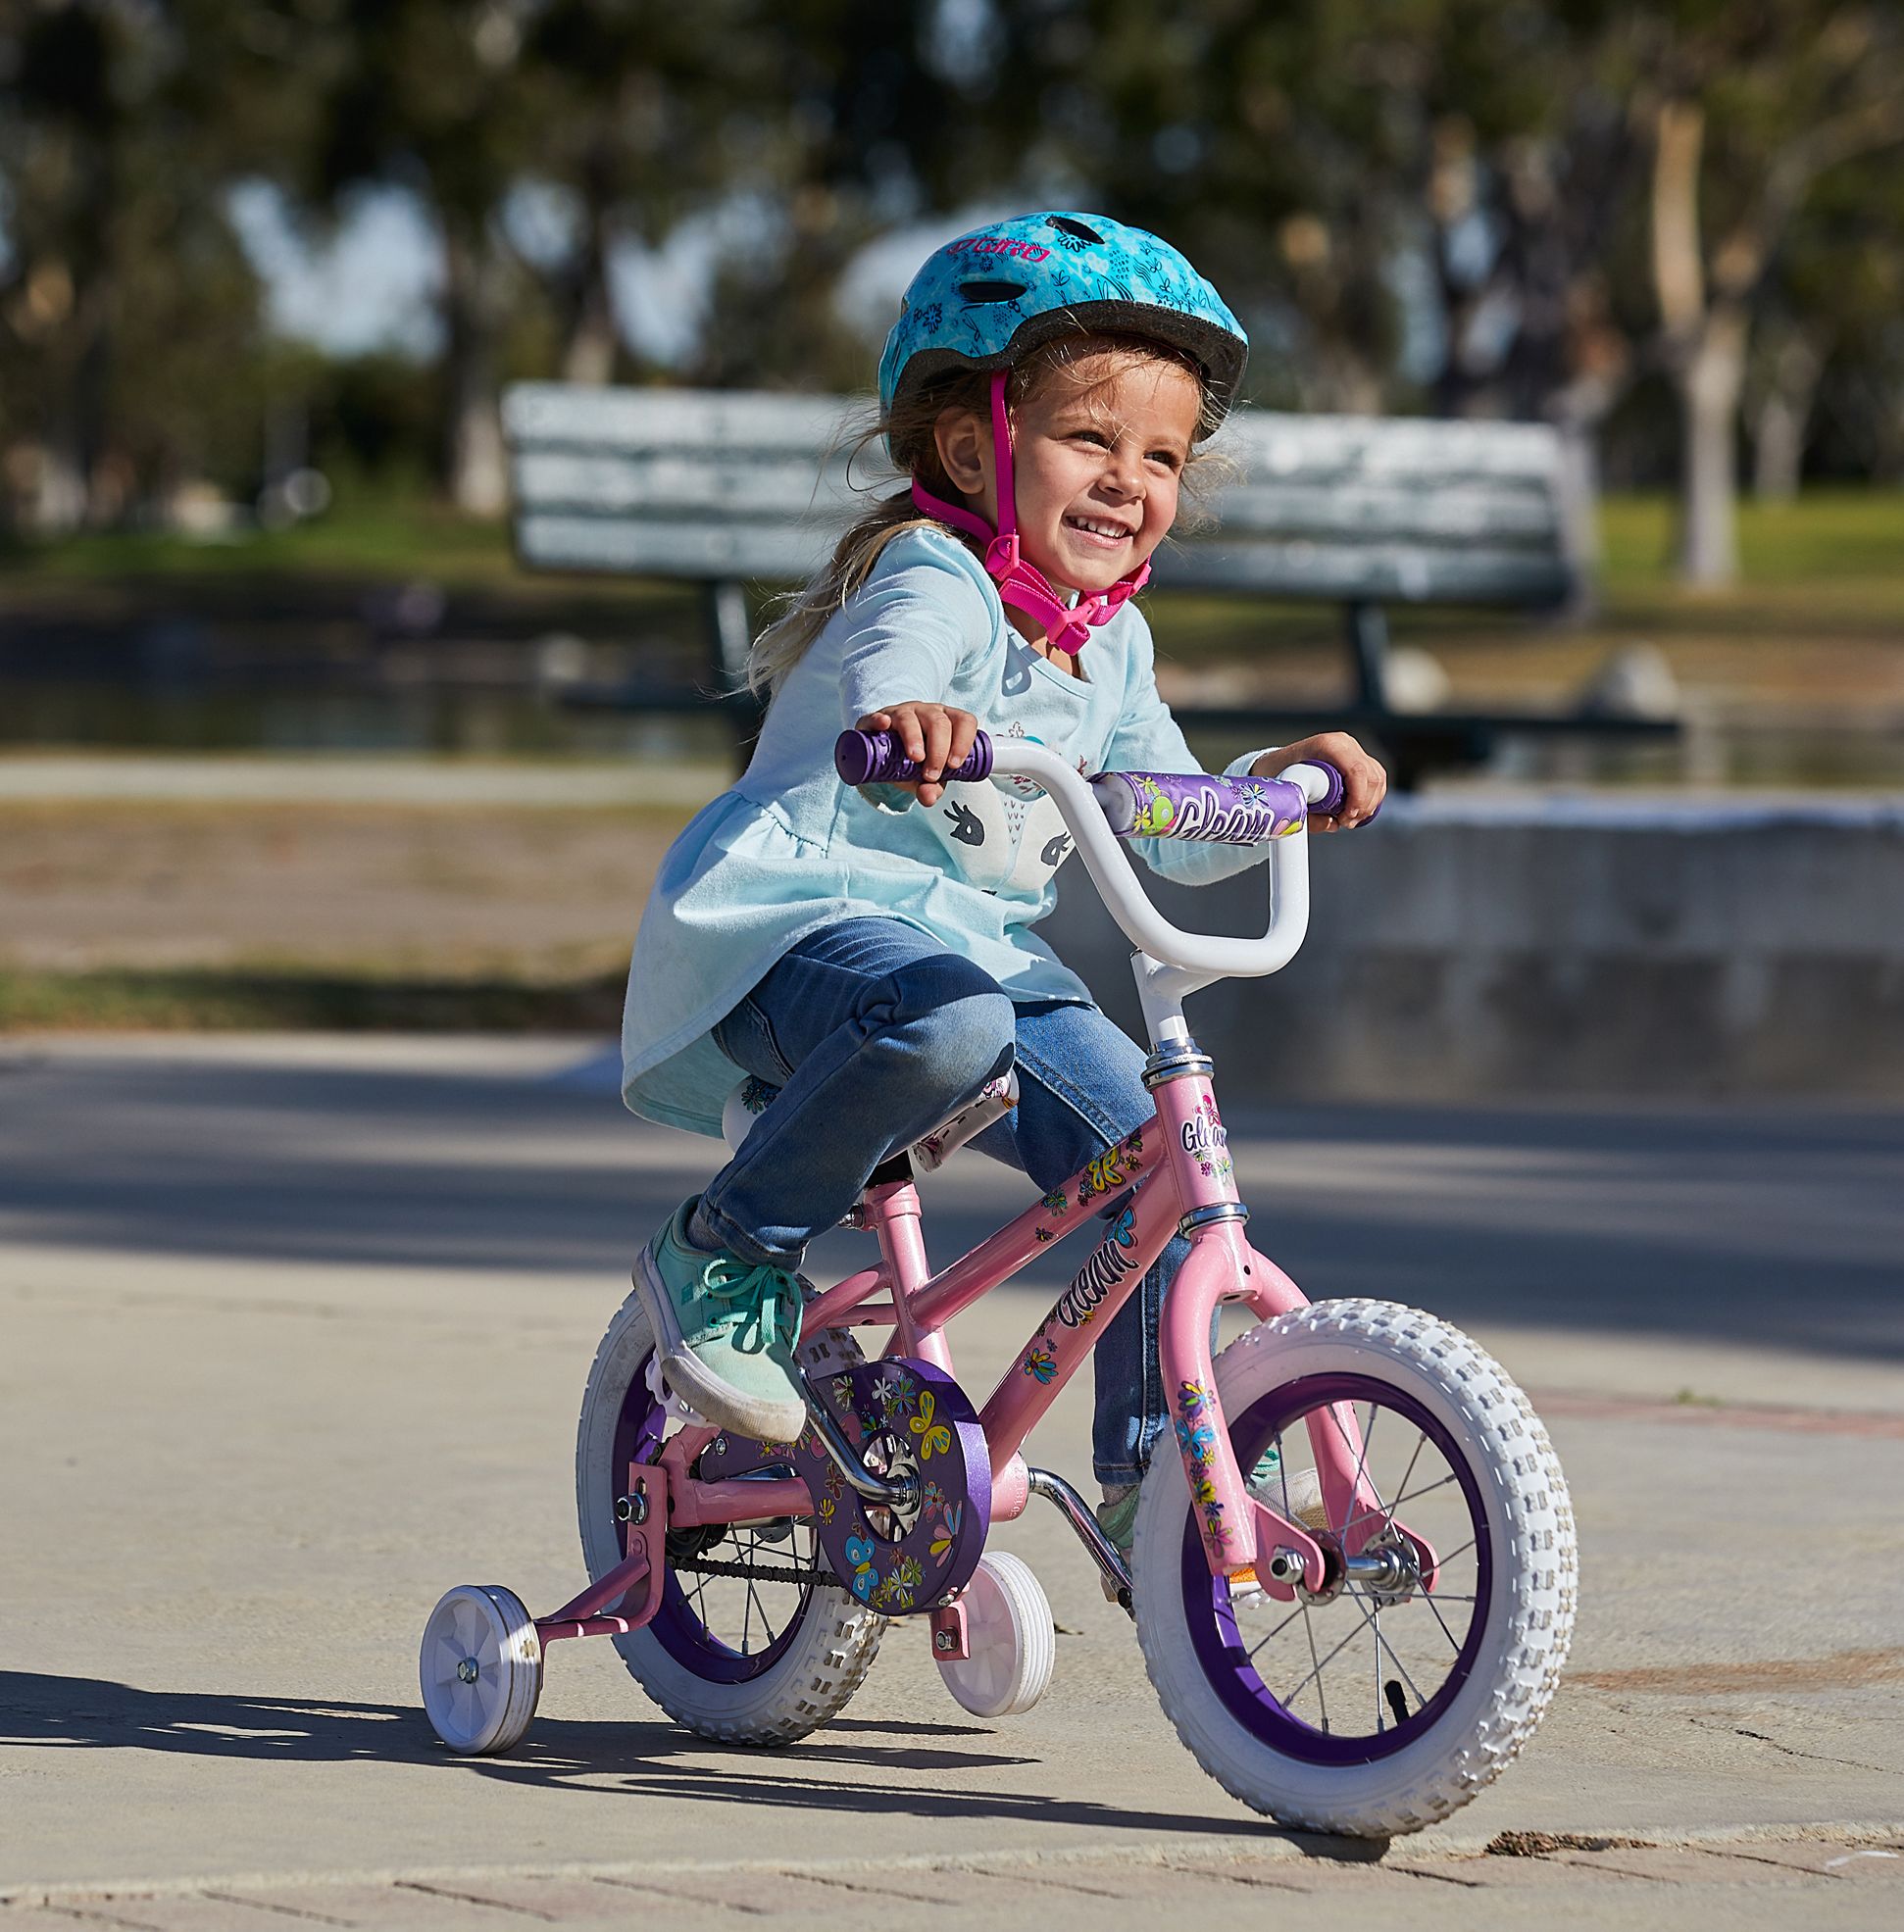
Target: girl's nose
x=1122 y=472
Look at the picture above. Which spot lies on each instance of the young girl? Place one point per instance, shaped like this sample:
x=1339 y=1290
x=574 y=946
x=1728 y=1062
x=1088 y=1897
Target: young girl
x=1047 y=384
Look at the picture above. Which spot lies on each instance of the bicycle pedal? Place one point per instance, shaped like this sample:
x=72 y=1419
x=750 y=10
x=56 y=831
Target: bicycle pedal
x=677 y=1409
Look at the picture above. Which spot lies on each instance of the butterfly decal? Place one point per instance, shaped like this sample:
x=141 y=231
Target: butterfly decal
x=859 y=1552
x=934 y=1438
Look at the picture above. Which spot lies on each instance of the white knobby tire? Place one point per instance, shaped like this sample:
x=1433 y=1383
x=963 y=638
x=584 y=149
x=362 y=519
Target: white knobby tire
x=832 y=1650
x=1528 y=1615
x=1011 y=1639
x=481 y=1669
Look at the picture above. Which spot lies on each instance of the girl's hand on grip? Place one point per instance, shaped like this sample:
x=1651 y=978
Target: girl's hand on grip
x=1364 y=783
x=937 y=738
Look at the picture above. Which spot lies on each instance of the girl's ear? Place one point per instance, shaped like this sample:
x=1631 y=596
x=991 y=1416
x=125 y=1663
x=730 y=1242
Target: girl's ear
x=964 y=446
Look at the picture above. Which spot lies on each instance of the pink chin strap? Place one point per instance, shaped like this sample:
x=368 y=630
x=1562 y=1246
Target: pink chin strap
x=1067 y=626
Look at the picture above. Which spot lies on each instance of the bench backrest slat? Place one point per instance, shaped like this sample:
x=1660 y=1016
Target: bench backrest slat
x=757 y=486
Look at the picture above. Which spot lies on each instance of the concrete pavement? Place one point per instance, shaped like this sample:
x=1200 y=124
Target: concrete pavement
x=291 y=1335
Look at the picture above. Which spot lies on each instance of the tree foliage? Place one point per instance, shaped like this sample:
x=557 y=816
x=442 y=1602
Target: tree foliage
x=1532 y=208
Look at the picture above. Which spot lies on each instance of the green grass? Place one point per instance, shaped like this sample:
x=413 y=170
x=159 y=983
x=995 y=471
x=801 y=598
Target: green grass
x=1827 y=539
x=212 y=1001
x=396 y=538
x=1824 y=539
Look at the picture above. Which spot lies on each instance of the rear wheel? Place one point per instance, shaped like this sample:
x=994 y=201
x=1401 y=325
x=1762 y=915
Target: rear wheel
x=1368 y=1707
x=754 y=1642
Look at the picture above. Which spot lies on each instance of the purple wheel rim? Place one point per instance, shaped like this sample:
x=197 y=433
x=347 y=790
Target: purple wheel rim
x=639 y=1433
x=1223 y=1651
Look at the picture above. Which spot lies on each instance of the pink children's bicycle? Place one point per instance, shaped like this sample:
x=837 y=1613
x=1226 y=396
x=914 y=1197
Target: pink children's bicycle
x=1354 y=1634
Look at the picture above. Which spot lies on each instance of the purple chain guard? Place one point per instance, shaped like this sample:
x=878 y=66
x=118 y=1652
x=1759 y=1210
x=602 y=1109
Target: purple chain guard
x=928 y=1416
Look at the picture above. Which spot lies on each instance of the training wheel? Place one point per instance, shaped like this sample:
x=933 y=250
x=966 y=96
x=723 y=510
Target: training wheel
x=480 y=1669
x=1011 y=1637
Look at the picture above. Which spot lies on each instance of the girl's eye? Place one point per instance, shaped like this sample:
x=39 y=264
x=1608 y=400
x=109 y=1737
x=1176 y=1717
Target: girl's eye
x=1097 y=437
x=1169 y=459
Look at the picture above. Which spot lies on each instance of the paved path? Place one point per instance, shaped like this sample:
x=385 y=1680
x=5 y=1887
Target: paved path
x=290 y=1339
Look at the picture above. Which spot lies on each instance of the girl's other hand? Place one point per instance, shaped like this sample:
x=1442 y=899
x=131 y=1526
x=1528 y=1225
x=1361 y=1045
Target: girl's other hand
x=1364 y=783
x=936 y=737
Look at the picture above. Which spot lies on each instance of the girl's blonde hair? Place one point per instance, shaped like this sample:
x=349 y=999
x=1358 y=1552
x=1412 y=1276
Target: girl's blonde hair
x=909 y=430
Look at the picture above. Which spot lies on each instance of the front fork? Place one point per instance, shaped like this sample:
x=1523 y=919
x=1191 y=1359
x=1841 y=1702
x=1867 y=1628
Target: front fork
x=1240 y=1534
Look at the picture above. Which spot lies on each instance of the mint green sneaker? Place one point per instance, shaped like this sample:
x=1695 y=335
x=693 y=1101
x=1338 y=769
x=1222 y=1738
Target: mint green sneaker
x=726 y=1332
x=1117 y=1517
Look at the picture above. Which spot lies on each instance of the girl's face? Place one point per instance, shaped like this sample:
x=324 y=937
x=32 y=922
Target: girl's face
x=1098 y=451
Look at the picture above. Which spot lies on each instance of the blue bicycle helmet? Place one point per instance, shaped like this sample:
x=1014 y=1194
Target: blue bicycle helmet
x=983 y=301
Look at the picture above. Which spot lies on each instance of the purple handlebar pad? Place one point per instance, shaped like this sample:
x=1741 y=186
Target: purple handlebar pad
x=874 y=757
x=1196 y=805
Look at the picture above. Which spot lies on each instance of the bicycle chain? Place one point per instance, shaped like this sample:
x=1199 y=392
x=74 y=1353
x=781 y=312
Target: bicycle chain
x=705 y=1566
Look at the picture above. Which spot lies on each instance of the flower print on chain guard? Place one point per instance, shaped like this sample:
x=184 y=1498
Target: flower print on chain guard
x=925 y=1422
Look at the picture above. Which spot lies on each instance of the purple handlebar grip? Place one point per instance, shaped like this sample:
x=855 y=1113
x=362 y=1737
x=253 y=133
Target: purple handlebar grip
x=1330 y=801
x=874 y=757
x=1196 y=805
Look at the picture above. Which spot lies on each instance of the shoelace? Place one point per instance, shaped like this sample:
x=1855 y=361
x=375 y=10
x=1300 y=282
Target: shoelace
x=763 y=1297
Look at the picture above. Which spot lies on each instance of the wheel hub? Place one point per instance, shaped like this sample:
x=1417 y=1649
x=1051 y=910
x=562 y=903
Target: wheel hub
x=469 y=1670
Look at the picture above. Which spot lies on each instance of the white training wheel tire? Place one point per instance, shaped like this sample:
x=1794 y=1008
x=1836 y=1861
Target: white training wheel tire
x=1013 y=1641
x=480 y=1669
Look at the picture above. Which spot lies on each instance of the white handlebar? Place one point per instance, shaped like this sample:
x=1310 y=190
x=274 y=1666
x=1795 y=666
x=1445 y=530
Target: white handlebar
x=1191 y=959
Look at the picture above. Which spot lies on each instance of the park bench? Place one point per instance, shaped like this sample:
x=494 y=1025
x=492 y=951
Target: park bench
x=735 y=489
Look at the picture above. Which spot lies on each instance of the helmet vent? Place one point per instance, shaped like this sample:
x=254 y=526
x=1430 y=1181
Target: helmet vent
x=991 y=291
x=1065 y=225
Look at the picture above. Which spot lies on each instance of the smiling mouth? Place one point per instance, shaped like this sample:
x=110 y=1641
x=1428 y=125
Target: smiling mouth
x=1099 y=530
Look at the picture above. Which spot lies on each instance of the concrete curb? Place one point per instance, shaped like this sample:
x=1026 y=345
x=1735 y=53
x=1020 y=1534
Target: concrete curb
x=1269 y=1842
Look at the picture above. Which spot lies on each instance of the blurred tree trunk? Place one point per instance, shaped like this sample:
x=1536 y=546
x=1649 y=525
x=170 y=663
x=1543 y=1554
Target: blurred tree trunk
x=589 y=337
x=1783 y=414
x=474 y=308
x=1705 y=342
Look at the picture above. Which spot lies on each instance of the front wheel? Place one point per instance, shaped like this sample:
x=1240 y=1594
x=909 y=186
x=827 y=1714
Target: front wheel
x=1361 y=1710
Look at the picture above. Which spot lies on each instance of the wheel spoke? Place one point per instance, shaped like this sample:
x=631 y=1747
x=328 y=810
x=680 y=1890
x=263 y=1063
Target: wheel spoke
x=1421 y=1443
x=1361 y=1464
x=1427 y=1597
x=1387 y=1510
x=1374 y=1622
x=1321 y=1698
x=1299 y=1610
x=1318 y=1671
x=1375 y=1625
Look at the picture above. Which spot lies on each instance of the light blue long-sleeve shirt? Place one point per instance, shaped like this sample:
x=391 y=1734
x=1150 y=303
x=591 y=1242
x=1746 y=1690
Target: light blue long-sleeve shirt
x=789 y=849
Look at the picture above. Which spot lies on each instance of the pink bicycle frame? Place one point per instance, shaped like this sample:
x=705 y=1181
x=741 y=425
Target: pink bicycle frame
x=1171 y=1174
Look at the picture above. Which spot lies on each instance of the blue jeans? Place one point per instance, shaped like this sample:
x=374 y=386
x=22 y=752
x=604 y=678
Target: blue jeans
x=873 y=1034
